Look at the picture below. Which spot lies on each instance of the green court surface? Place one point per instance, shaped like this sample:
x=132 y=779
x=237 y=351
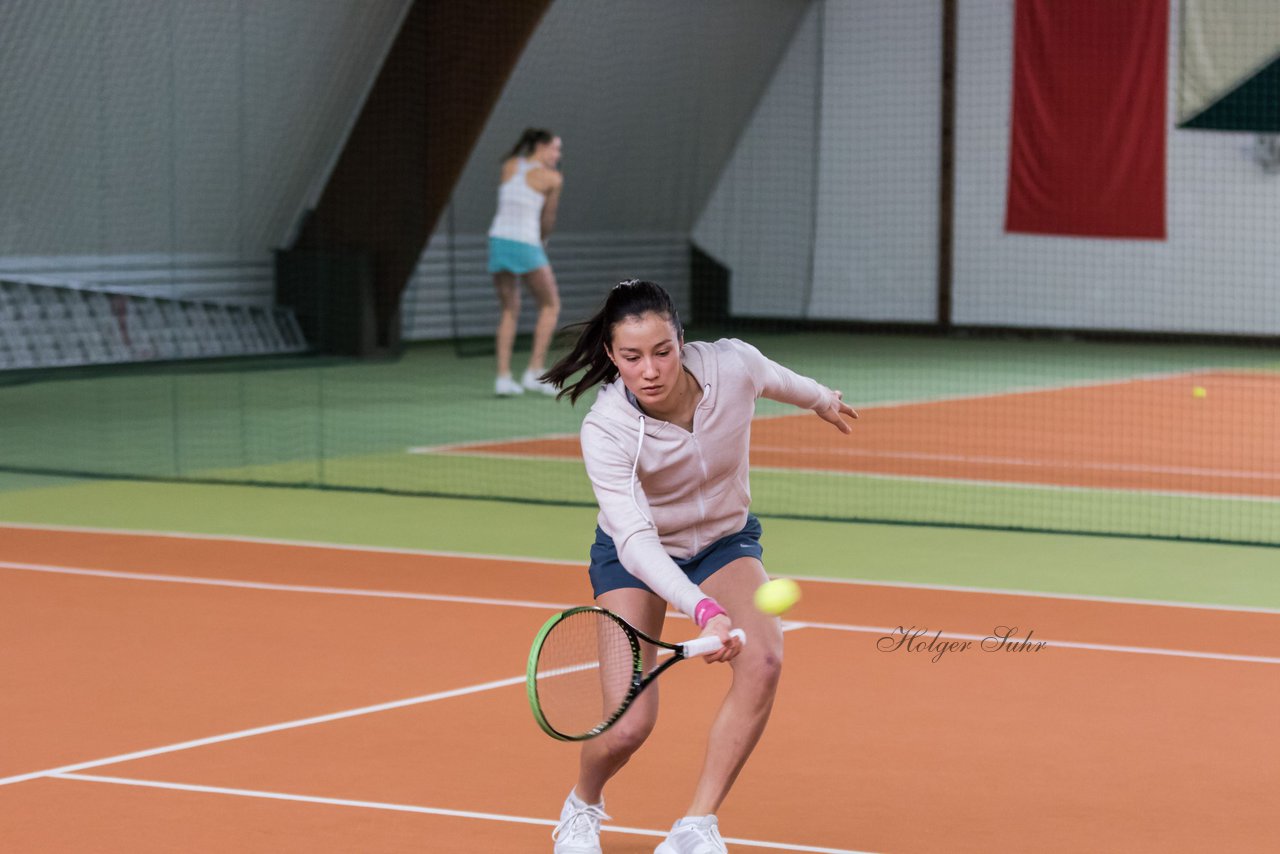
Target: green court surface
x=286 y=419
x=349 y=424
x=1043 y=563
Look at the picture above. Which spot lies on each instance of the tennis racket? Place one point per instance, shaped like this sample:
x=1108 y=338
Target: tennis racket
x=586 y=669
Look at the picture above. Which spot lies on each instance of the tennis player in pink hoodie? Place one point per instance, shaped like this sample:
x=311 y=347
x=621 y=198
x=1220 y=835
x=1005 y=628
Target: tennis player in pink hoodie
x=666 y=448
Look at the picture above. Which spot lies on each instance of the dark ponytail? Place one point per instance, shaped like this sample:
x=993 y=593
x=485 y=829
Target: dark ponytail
x=631 y=298
x=528 y=141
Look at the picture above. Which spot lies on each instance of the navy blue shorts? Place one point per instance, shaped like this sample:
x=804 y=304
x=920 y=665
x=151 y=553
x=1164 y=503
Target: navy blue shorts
x=608 y=573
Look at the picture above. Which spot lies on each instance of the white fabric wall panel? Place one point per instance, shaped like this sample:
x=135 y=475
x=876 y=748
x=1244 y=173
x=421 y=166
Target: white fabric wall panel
x=759 y=219
x=176 y=130
x=1215 y=273
x=828 y=209
x=877 y=224
x=649 y=99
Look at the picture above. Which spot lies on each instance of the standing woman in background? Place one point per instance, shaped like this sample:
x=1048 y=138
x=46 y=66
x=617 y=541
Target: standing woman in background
x=527 y=200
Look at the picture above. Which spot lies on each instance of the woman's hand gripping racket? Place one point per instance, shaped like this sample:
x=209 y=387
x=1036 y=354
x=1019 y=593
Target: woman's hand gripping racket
x=586 y=669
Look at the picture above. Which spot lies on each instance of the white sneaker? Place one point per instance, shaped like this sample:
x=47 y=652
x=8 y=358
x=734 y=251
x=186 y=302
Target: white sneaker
x=507 y=387
x=532 y=383
x=579 y=829
x=693 y=836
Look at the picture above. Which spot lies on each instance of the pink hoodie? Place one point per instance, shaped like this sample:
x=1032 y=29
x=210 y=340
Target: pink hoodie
x=686 y=490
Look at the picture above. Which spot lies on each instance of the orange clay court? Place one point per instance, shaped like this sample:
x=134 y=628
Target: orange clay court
x=230 y=695
x=1139 y=434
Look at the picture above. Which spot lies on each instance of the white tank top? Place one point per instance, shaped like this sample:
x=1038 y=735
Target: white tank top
x=519 y=215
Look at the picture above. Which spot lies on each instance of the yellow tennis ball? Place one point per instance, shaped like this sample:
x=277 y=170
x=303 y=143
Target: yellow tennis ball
x=1198 y=391
x=776 y=597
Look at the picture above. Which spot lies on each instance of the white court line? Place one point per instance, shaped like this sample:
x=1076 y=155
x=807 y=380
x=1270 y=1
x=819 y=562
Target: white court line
x=516 y=680
x=938 y=479
x=279 y=727
x=381 y=805
x=289 y=588
x=451 y=447
x=921 y=456
x=465 y=448
x=1069 y=597
x=278 y=541
x=952 y=481
x=1025 y=485
x=1049 y=643
x=579 y=565
x=456 y=447
x=1027 y=463
x=560 y=606
x=517 y=603
x=263 y=730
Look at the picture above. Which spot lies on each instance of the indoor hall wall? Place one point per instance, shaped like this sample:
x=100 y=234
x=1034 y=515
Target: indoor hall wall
x=828 y=208
x=1214 y=273
x=170 y=147
x=649 y=99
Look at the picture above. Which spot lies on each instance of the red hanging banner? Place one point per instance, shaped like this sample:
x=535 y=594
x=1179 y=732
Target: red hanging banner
x=1087 y=151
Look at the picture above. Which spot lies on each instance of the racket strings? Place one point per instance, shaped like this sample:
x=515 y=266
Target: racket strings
x=584 y=672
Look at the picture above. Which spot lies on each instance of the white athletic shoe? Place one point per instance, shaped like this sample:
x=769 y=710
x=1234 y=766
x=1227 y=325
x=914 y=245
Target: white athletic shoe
x=579 y=829
x=693 y=836
x=532 y=383
x=507 y=387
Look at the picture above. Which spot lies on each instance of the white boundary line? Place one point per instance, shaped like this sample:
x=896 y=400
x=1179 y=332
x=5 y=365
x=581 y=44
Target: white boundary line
x=287 y=588
x=1022 y=485
x=915 y=456
x=449 y=813
x=517 y=680
x=450 y=447
x=278 y=727
x=461 y=448
x=788 y=625
x=1028 y=463
x=263 y=730
x=933 y=479
x=274 y=541
x=579 y=565
x=1070 y=597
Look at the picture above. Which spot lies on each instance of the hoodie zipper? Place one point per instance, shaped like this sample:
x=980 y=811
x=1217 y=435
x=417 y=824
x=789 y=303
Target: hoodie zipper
x=702 y=461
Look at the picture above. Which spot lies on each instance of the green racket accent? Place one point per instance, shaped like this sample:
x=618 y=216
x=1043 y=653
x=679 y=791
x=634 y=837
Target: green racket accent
x=573 y=656
x=586 y=669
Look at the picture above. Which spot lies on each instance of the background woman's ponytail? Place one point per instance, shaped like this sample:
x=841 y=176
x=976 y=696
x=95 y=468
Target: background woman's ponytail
x=528 y=141
x=632 y=298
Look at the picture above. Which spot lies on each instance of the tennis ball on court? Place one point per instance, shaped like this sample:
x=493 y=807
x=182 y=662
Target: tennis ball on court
x=1198 y=391
x=776 y=597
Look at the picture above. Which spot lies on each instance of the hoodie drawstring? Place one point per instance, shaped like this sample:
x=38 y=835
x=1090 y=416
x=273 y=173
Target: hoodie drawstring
x=635 y=465
x=706 y=392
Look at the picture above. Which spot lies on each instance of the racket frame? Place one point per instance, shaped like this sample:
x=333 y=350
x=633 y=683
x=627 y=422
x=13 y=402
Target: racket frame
x=639 y=681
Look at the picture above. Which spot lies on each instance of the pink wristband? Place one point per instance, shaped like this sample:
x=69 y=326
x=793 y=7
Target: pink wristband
x=705 y=610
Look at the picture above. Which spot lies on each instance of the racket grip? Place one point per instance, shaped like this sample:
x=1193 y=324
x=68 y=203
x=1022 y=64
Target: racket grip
x=711 y=643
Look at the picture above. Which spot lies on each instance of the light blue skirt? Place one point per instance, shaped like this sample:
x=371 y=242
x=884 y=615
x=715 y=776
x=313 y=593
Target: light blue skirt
x=512 y=256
